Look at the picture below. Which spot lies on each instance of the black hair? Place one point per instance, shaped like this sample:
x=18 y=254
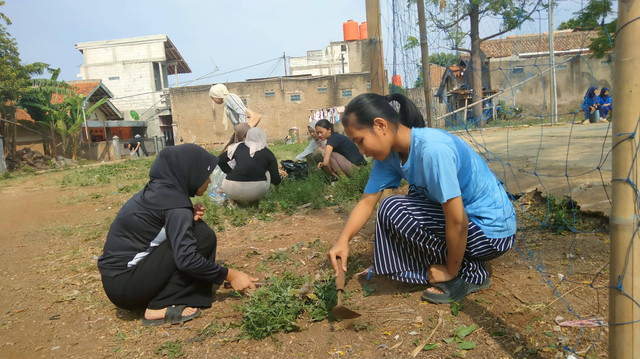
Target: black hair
x=325 y=124
x=366 y=107
x=126 y=145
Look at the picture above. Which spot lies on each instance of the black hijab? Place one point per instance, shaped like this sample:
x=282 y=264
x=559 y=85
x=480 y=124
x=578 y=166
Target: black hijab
x=176 y=174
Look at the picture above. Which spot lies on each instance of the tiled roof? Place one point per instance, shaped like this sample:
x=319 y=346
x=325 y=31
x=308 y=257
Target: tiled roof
x=22 y=115
x=80 y=87
x=564 y=40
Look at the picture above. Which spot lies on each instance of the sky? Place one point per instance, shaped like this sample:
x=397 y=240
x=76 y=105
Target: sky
x=217 y=38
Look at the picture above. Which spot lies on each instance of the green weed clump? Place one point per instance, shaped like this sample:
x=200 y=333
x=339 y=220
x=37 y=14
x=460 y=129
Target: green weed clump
x=278 y=306
x=172 y=349
x=562 y=214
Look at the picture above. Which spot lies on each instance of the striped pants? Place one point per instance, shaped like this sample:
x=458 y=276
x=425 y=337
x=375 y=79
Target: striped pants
x=410 y=237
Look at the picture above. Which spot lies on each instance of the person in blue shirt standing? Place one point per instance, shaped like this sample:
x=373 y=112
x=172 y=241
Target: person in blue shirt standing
x=604 y=103
x=455 y=217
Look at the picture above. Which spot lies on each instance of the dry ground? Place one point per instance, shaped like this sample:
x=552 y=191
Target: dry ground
x=54 y=305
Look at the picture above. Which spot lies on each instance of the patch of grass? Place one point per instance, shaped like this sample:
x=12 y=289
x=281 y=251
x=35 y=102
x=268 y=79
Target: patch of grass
x=277 y=307
x=123 y=172
x=563 y=214
x=171 y=349
x=360 y=327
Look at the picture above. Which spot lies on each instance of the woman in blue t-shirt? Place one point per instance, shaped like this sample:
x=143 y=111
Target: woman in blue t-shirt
x=340 y=154
x=455 y=217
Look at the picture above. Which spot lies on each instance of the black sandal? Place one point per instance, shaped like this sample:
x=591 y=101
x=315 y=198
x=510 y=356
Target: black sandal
x=454 y=289
x=172 y=316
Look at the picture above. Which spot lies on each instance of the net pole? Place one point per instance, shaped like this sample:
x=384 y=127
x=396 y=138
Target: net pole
x=624 y=275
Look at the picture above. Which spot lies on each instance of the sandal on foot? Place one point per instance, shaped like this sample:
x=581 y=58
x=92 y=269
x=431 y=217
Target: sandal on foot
x=172 y=316
x=454 y=289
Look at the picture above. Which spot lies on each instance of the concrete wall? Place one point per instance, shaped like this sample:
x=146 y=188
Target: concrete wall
x=328 y=61
x=200 y=121
x=573 y=76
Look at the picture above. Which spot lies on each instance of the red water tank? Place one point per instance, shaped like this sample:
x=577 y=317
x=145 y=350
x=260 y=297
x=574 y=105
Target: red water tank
x=363 y=31
x=396 y=80
x=350 y=29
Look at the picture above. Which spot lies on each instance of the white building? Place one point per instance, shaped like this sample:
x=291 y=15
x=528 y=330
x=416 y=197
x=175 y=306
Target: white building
x=340 y=57
x=137 y=71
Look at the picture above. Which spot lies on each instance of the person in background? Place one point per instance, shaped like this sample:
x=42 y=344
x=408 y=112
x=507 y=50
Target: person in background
x=159 y=254
x=590 y=106
x=604 y=103
x=256 y=168
x=313 y=152
x=136 y=145
x=455 y=217
x=341 y=156
x=234 y=109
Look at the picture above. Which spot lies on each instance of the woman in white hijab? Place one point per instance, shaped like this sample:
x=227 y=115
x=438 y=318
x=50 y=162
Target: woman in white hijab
x=255 y=170
x=313 y=152
x=234 y=109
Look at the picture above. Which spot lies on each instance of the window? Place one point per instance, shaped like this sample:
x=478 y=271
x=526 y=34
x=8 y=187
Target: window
x=269 y=93
x=368 y=85
x=605 y=63
x=561 y=67
x=114 y=78
x=295 y=98
x=322 y=89
x=517 y=70
x=347 y=93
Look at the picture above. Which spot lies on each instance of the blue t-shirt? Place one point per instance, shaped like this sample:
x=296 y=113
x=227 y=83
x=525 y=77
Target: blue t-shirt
x=442 y=166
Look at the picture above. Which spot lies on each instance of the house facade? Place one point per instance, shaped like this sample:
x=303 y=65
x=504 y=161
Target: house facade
x=515 y=59
x=137 y=71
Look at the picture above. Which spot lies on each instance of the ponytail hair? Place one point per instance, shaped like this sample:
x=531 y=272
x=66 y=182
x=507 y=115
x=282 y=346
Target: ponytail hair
x=363 y=109
x=325 y=124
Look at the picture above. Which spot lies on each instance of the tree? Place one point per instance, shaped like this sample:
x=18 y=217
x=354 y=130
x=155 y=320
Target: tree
x=587 y=19
x=37 y=101
x=444 y=59
x=73 y=122
x=512 y=12
x=15 y=81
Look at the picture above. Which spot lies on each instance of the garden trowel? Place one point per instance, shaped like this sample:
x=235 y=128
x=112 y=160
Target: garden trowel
x=340 y=312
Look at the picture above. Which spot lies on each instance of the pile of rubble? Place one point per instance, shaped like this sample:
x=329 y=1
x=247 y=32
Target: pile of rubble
x=35 y=159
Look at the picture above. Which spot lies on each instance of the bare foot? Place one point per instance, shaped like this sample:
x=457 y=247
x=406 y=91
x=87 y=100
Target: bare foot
x=152 y=314
x=435 y=290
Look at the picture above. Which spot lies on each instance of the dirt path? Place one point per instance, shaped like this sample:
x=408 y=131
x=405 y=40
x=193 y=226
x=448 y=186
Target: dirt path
x=54 y=306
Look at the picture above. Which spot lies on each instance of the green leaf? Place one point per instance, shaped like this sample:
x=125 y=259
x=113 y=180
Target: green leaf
x=448 y=340
x=549 y=334
x=429 y=346
x=498 y=334
x=467 y=345
x=462 y=331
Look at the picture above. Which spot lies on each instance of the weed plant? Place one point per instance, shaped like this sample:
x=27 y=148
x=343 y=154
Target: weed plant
x=562 y=214
x=278 y=306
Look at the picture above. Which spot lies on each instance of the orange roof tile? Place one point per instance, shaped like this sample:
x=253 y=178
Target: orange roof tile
x=22 y=115
x=80 y=87
x=514 y=45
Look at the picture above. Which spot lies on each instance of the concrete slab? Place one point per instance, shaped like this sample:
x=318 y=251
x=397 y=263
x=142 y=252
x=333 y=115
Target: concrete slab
x=563 y=160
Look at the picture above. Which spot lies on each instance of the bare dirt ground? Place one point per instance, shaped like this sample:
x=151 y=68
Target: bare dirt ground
x=53 y=305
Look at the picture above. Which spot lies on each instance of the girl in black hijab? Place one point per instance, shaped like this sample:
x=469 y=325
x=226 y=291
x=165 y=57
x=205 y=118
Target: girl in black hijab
x=159 y=254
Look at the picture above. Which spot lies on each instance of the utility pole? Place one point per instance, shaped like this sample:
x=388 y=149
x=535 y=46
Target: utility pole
x=554 y=89
x=377 y=75
x=426 y=73
x=284 y=62
x=395 y=42
x=624 y=253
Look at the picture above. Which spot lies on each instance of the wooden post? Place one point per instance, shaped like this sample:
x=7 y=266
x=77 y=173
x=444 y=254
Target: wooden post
x=624 y=269
x=426 y=73
x=377 y=75
x=554 y=90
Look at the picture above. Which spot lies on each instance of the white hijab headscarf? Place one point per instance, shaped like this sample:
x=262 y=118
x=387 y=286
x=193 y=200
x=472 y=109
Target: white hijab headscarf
x=256 y=140
x=320 y=142
x=219 y=91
